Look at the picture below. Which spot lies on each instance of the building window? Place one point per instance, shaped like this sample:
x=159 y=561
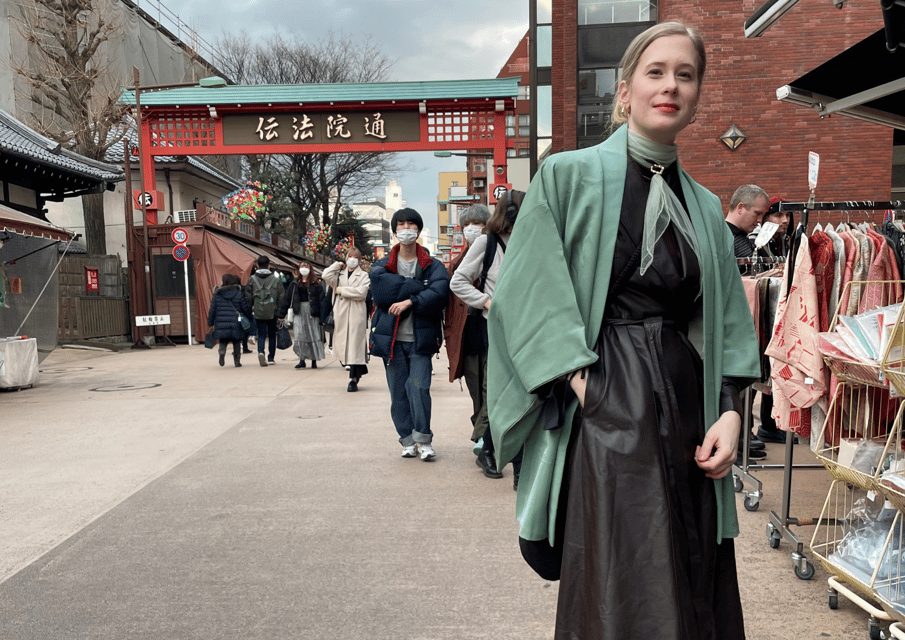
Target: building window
x=523 y=152
x=544 y=46
x=594 y=84
x=615 y=12
x=593 y=123
x=510 y=153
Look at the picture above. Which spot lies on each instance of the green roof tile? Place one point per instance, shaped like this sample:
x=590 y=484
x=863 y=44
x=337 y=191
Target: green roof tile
x=496 y=88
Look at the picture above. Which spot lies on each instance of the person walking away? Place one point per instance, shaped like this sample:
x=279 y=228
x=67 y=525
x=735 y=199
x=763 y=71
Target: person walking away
x=263 y=292
x=473 y=282
x=460 y=325
x=227 y=303
x=410 y=291
x=350 y=285
x=304 y=296
x=620 y=337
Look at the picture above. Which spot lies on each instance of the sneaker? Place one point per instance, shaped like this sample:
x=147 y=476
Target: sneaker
x=262 y=359
x=410 y=451
x=427 y=452
x=270 y=361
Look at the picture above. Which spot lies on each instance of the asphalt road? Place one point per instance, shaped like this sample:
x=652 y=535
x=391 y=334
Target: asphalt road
x=154 y=494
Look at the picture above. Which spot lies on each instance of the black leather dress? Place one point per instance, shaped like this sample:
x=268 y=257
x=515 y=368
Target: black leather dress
x=640 y=556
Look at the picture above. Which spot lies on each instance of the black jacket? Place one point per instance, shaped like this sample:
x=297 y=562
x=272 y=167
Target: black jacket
x=295 y=295
x=223 y=315
x=429 y=293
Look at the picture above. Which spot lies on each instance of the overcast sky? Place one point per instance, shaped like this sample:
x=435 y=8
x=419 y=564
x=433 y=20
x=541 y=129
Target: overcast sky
x=425 y=39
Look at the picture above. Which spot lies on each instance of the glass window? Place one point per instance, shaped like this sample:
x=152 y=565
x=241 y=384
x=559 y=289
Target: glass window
x=524 y=132
x=524 y=119
x=510 y=153
x=544 y=111
x=545 y=46
x=523 y=152
x=510 y=132
x=594 y=84
x=543 y=148
x=593 y=123
x=544 y=11
x=615 y=11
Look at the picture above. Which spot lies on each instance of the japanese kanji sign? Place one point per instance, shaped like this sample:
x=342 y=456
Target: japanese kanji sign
x=321 y=127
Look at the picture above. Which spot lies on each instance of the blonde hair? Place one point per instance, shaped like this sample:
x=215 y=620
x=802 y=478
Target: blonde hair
x=640 y=44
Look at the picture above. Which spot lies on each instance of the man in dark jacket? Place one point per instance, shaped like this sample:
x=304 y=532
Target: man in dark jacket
x=263 y=291
x=410 y=291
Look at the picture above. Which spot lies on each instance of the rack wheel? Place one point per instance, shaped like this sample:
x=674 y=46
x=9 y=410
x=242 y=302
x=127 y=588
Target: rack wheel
x=737 y=484
x=832 y=599
x=873 y=628
x=807 y=574
x=773 y=536
x=751 y=504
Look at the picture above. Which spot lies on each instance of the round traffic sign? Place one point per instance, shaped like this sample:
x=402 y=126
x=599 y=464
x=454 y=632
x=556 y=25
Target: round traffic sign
x=181 y=252
x=180 y=235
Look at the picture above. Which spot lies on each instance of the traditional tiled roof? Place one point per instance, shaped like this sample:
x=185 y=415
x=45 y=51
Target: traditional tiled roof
x=18 y=140
x=326 y=93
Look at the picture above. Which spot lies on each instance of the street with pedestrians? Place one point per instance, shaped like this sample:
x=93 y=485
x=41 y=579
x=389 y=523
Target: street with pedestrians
x=153 y=494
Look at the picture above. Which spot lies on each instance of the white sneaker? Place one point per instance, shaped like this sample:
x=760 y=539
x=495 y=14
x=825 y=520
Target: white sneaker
x=427 y=452
x=410 y=451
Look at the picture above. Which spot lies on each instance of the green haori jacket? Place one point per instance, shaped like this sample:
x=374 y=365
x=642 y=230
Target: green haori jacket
x=548 y=308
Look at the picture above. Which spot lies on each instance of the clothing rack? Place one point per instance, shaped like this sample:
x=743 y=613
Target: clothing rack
x=778 y=525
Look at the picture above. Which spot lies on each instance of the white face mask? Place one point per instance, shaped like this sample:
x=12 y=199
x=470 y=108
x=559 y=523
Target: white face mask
x=304 y=272
x=472 y=231
x=407 y=236
x=352 y=263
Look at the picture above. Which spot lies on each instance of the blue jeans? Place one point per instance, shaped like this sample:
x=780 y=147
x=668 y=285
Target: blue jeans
x=409 y=379
x=267 y=328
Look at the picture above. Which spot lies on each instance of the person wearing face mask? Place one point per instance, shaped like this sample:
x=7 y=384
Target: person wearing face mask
x=410 y=291
x=350 y=285
x=620 y=338
x=460 y=330
x=304 y=296
x=473 y=282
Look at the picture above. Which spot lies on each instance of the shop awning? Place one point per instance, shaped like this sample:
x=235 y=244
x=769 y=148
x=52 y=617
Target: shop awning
x=25 y=225
x=866 y=82
x=275 y=260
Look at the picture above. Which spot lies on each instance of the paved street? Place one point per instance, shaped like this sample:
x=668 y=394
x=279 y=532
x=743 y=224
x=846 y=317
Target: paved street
x=153 y=494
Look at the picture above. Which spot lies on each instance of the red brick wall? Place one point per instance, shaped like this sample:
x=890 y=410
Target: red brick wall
x=740 y=88
x=565 y=74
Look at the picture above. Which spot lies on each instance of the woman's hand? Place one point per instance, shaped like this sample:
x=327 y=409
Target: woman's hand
x=487 y=303
x=720 y=447
x=579 y=386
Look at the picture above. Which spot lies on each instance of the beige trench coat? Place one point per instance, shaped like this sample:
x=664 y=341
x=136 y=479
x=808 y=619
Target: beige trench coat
x=350 y=337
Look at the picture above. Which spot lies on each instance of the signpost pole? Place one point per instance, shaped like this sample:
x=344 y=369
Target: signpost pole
x=188 y=308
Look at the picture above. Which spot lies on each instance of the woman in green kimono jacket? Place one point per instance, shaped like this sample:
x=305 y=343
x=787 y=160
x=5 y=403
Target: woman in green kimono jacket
x=620 y=338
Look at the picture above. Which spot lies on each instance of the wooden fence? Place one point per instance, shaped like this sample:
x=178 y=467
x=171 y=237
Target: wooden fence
x=93 y=316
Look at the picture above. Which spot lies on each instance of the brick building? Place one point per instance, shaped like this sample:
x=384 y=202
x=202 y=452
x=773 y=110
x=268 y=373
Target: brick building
x=583 y=41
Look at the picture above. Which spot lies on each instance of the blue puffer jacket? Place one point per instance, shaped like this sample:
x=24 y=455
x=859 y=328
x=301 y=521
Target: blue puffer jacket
x=429 y=293
x=223 y=315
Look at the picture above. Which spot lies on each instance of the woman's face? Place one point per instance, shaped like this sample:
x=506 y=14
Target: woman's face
x=303 y=265
x=663 y=93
